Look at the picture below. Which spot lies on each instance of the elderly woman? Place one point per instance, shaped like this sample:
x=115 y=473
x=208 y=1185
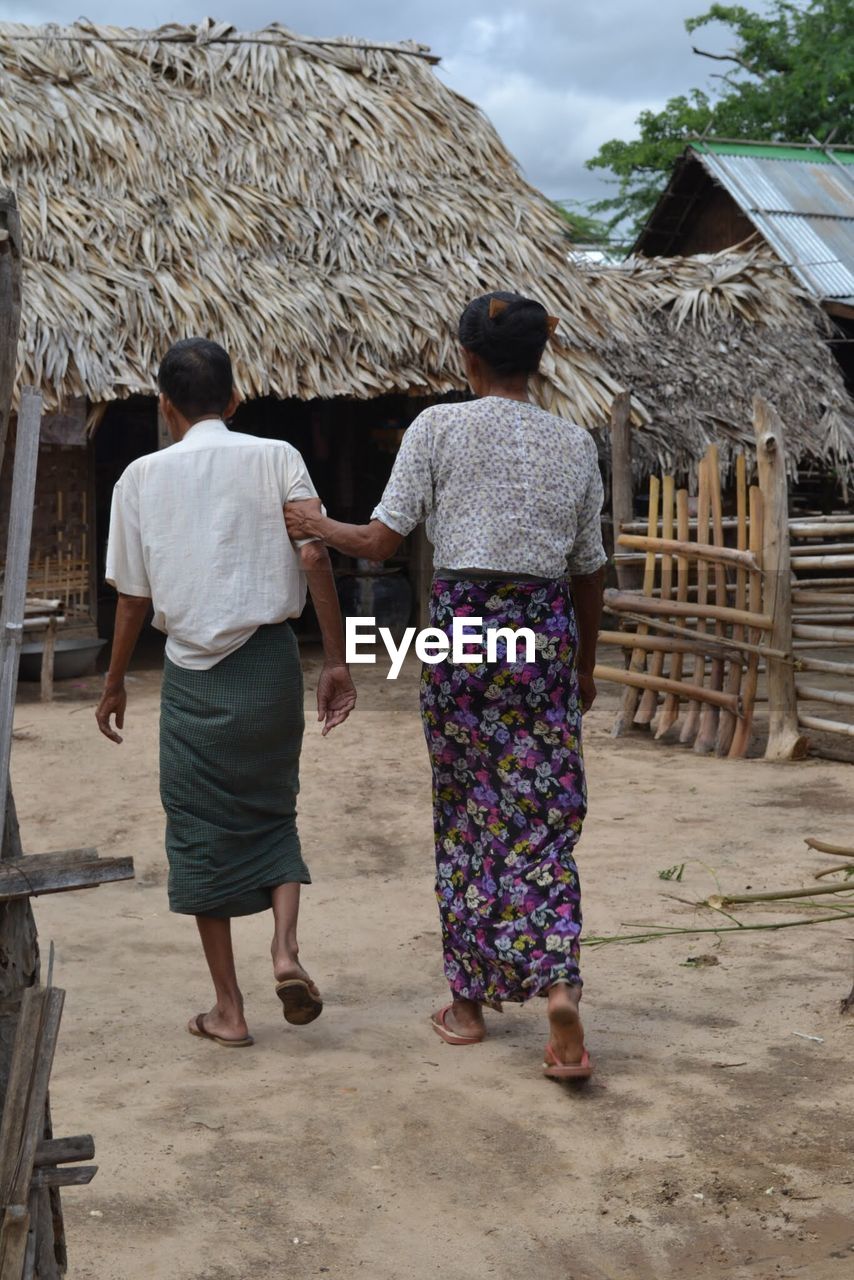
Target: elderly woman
x=512 y=498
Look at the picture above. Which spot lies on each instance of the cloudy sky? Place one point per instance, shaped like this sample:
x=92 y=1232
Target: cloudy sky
x=557 y=77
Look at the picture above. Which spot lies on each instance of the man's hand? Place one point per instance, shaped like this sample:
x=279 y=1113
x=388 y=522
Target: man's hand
x=586 y=690
x=113 y=703
x=302 y=518
x=336 y=696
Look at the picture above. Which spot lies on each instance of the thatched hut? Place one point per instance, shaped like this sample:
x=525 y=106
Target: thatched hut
x=325 y=208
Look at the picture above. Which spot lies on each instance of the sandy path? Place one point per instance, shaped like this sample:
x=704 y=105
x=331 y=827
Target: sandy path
x=362 y=1146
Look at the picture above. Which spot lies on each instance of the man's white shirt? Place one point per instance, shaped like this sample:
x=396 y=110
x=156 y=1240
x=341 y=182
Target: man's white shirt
x=199 y=528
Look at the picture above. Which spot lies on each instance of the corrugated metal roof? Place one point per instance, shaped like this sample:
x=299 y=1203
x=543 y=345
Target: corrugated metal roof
x=802 y=202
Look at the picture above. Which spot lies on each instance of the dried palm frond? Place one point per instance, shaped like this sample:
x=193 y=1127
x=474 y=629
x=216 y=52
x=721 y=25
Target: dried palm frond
x=326 y=209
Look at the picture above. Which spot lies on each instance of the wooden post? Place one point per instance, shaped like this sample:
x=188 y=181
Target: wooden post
x=17 y=566
x=48 y=655
x=669 y=713
x=631 y=697
x=785 y=741
x=622 y=507
x=10 y=305
x=649 y=700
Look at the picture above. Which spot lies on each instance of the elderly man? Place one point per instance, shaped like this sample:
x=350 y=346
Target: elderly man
x=197 y=531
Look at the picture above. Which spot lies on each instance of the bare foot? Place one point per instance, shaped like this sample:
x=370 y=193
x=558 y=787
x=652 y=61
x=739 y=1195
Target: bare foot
x=567 y=1033
x=464 y=1018
x=228 y=1024
x=286 y=966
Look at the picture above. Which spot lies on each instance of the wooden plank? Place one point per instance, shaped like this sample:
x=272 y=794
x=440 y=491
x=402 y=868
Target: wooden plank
x=76 y=1176
x=64 y=1150
x=16 y=1102
x=785 y=741
x=644 y=680
x=620 y=602
x=17 y=564
x=49 y=1002
x=28 y=879
x=14 y=1236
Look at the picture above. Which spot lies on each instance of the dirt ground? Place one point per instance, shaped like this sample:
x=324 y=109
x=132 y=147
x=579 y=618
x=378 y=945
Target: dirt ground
x=714 y=1141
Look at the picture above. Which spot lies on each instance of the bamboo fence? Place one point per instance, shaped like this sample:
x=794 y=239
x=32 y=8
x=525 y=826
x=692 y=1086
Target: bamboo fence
x=754 y=592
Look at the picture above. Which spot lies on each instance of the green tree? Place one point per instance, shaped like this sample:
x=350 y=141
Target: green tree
x=789 y=76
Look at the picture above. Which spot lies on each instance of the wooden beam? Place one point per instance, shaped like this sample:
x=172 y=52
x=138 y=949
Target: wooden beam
x=10 y=306
x=814 y=693
x=64 y=1150
x=686 y=633
x=823 y=664
x=836 y=563
x=833 y=635
x=38 y=874
x=622 y=487
x=76 y=1176
x=631 y=697
x=785 y=741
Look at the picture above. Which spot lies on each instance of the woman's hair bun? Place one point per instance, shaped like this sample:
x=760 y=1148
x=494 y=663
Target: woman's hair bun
x=507 y=330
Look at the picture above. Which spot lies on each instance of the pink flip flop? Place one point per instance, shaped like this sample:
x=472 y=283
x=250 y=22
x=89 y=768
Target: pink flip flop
x=439 y=1025
x=554 y=1069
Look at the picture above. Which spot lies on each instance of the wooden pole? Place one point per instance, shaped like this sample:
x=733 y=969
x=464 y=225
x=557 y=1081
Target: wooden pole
x=48 y=653
x=622 y=602
x=682 y=546
x=727 y=726
x=826 y=726
x=691 y=723
x=741 y=737
x=622 y=492
x=645 y=680
x=649 y=700
x=669 y=713
x=708 y=730
x=785 y=741
x=631 y=697
x=17 y=565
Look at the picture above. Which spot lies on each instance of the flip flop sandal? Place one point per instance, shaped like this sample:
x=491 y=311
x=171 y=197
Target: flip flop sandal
x=300 y=1004
x=554 y=1069
x=197 y=1028
x=440 y=1026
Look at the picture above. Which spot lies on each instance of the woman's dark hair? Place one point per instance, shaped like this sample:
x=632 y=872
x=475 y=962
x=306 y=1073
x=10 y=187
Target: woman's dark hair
x=195 y=374
x=510 y=338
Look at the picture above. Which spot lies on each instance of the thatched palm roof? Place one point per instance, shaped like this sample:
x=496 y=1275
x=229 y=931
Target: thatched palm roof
x=326 y=209
x=698 y=337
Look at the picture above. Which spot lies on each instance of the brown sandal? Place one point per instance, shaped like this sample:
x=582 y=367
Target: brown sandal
x=197 y=1028
x=301 y=1005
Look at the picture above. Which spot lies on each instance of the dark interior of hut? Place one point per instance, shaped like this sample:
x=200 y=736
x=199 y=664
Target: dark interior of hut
x=349 y=447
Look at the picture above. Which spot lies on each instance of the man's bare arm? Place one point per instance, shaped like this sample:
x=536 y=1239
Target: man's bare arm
x=131 y=613
x=336 y=694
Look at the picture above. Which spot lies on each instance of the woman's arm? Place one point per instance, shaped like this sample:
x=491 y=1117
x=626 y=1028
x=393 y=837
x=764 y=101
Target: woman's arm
x=373 y=541
x=587 y=589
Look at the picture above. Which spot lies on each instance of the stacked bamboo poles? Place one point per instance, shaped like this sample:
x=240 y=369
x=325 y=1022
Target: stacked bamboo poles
x=720 y=701
x=823 y=616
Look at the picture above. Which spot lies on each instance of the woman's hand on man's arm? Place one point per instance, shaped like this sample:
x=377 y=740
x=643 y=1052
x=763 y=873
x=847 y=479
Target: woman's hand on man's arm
x=373 y=541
